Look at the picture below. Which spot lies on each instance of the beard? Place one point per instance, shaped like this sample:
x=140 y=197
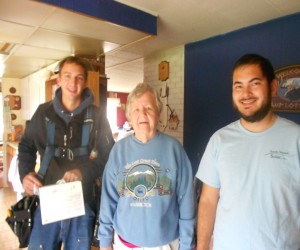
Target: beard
x=259 y=114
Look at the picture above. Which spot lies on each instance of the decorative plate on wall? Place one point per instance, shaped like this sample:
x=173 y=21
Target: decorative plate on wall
x=13 y=117
x=12 y=90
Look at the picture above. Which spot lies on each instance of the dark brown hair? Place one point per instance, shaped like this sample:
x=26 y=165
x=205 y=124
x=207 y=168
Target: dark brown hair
x=264 y=64
x=77 y=60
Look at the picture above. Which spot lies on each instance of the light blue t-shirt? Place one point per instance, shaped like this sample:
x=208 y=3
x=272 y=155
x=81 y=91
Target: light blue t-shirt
x=147 y=193
x=258 y=175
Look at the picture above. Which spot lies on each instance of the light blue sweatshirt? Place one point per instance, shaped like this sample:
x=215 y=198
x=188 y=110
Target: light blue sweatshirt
x=147 y=193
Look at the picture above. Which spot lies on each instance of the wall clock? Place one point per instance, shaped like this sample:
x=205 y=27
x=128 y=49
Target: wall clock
x=163 y=71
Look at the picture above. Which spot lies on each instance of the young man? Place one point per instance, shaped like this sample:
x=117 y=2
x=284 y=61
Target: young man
x=251 y=170
x=76 y=157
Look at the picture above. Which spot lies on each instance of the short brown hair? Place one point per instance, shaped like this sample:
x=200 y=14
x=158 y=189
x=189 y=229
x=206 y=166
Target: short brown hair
x=77 y=60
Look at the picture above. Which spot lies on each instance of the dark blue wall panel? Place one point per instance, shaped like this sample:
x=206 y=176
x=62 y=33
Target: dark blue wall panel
x=111 y=11
x=208 y=68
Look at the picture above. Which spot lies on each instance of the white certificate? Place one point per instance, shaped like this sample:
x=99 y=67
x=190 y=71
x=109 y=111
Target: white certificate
x=61 y=201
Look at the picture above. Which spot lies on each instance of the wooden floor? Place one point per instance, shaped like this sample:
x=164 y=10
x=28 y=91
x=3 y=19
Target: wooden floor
x=8 y=241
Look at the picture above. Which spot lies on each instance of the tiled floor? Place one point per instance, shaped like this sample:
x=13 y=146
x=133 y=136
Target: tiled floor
x=8 y=241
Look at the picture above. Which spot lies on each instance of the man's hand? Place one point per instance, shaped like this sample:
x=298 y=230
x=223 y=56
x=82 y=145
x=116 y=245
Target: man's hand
x=72 y=175
x=29 y=181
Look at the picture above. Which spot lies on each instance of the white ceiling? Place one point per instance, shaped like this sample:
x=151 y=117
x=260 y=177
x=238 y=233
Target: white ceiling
x=44 y=34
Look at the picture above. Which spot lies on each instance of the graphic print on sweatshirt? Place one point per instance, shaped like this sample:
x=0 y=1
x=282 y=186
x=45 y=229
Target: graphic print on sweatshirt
x=142 y=179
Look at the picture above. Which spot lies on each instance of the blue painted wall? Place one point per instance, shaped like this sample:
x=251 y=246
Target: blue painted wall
x=208 y=68
x=112 y=11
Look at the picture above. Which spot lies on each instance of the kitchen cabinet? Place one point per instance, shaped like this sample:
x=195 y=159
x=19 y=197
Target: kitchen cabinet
x=25 y=100
x=32 y=93
x=50 y=87
x=94 y=84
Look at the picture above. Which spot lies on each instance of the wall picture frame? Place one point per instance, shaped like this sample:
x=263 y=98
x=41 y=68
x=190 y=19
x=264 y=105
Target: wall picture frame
x=287 y=98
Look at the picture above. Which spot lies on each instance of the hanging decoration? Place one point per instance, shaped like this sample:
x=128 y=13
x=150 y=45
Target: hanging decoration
x=164 y=92
x=172 y=120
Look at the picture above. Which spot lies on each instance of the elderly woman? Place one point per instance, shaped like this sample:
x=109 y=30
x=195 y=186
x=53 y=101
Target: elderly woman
x=147 y=191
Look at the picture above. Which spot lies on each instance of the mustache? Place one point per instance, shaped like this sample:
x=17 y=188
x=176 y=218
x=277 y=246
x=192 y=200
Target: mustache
x=248 y=99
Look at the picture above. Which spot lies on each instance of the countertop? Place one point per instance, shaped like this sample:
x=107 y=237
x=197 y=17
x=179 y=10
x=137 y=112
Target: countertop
x=13 y=144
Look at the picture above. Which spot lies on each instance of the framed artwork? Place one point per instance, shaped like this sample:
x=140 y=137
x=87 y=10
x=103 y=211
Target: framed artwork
x=288 y=93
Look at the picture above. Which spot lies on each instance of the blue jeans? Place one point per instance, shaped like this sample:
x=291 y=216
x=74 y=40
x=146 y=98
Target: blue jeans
x=75 y=233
